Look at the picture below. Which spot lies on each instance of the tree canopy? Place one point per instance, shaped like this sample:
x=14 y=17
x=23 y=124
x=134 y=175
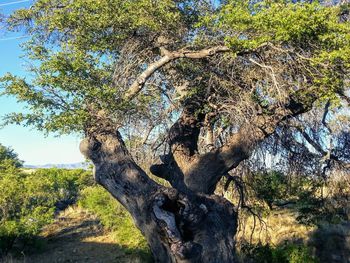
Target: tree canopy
x=84 y=55
x=8 y=159
x=210 y=86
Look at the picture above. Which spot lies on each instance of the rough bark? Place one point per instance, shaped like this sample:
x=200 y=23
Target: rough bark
x=183 y=142
x=179 y=227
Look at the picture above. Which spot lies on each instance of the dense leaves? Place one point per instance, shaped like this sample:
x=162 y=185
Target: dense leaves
x=8 y=159
x=85 y=54
x=74 y=55
x=28 y=201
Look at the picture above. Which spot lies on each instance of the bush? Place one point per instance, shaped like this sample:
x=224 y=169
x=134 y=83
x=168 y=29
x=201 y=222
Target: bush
x=100 y=202
x=115 y=218
x=25 y=207
x=325 y=201
x=285 y=253
x=292 y=253
x=28 y=201
x=65 y=184
x=269 y=186
x=8 y=159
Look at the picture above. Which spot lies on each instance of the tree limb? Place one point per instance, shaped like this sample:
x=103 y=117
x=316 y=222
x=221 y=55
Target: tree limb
x=313 y=143
x=168 y=56
x=207 y=169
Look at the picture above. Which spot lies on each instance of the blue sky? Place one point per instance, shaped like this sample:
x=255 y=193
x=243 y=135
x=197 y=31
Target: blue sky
x=32 y=146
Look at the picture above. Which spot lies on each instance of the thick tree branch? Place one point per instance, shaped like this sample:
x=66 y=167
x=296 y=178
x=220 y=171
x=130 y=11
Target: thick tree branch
x=200 y=173
x=207 y=169
x=168 y=56
x=115 y=169
x=183 y=143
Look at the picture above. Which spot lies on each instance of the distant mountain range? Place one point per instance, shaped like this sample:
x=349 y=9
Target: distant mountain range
x=82 y=165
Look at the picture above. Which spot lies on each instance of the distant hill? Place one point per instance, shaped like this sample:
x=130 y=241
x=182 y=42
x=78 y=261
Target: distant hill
x=82 y=165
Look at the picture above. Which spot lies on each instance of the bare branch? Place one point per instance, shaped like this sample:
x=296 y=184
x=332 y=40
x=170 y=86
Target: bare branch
x=312 y=142
x=138 y=84
x=326 y=110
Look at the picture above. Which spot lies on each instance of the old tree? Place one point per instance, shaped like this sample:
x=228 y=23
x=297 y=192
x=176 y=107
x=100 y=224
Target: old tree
x=202 y=84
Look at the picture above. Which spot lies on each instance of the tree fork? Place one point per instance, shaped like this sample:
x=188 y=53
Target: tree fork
x=201 y=173
x=183 y=143
x=179 y=227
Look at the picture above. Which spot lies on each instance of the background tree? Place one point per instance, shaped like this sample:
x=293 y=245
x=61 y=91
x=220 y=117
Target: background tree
x=206 y=85
x=8 y=159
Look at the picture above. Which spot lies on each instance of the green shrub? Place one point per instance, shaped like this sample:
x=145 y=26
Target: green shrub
x=284 y=253
x=325 y=201
x=25 y=207
x=101 y=203
x=8 y=159
x=293 y=253
x=269 y=186
x=28 y=201
x=65 y=184
x=115 y=218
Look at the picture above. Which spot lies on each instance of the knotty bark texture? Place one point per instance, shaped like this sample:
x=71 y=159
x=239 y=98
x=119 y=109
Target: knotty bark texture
x=179 y=227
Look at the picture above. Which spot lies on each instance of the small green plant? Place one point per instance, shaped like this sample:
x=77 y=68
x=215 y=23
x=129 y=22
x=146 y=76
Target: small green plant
x=270 y=186
x=115 y=218
x=283 y=253
x=293 y=253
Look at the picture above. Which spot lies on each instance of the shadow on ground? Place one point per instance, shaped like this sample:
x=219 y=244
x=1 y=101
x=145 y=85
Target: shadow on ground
x=332 y=243
x=78 y=238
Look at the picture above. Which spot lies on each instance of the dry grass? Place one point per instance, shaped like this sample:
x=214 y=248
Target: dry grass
x=277 y=227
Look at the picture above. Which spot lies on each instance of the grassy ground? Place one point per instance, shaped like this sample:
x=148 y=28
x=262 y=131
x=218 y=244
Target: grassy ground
x=329 y=243
x=279 y=226
x=76 y=236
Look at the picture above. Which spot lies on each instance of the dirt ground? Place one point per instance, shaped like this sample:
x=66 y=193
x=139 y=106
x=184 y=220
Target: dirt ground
x=77 y=237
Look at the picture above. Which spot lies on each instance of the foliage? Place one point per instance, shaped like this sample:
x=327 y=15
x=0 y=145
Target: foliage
x=77 y=53
x=77 y=58
x=25 y=207
x=315 y=200
x=65 y=184
x=284 y=253
x=270 y=186
x=324 y=202
x=28 y=201
x=298 y=25
x=8 y=159
x=114 y=218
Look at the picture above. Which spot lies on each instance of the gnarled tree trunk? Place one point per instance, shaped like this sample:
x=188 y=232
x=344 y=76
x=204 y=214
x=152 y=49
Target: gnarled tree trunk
x=185 y=223
x=179 y=226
